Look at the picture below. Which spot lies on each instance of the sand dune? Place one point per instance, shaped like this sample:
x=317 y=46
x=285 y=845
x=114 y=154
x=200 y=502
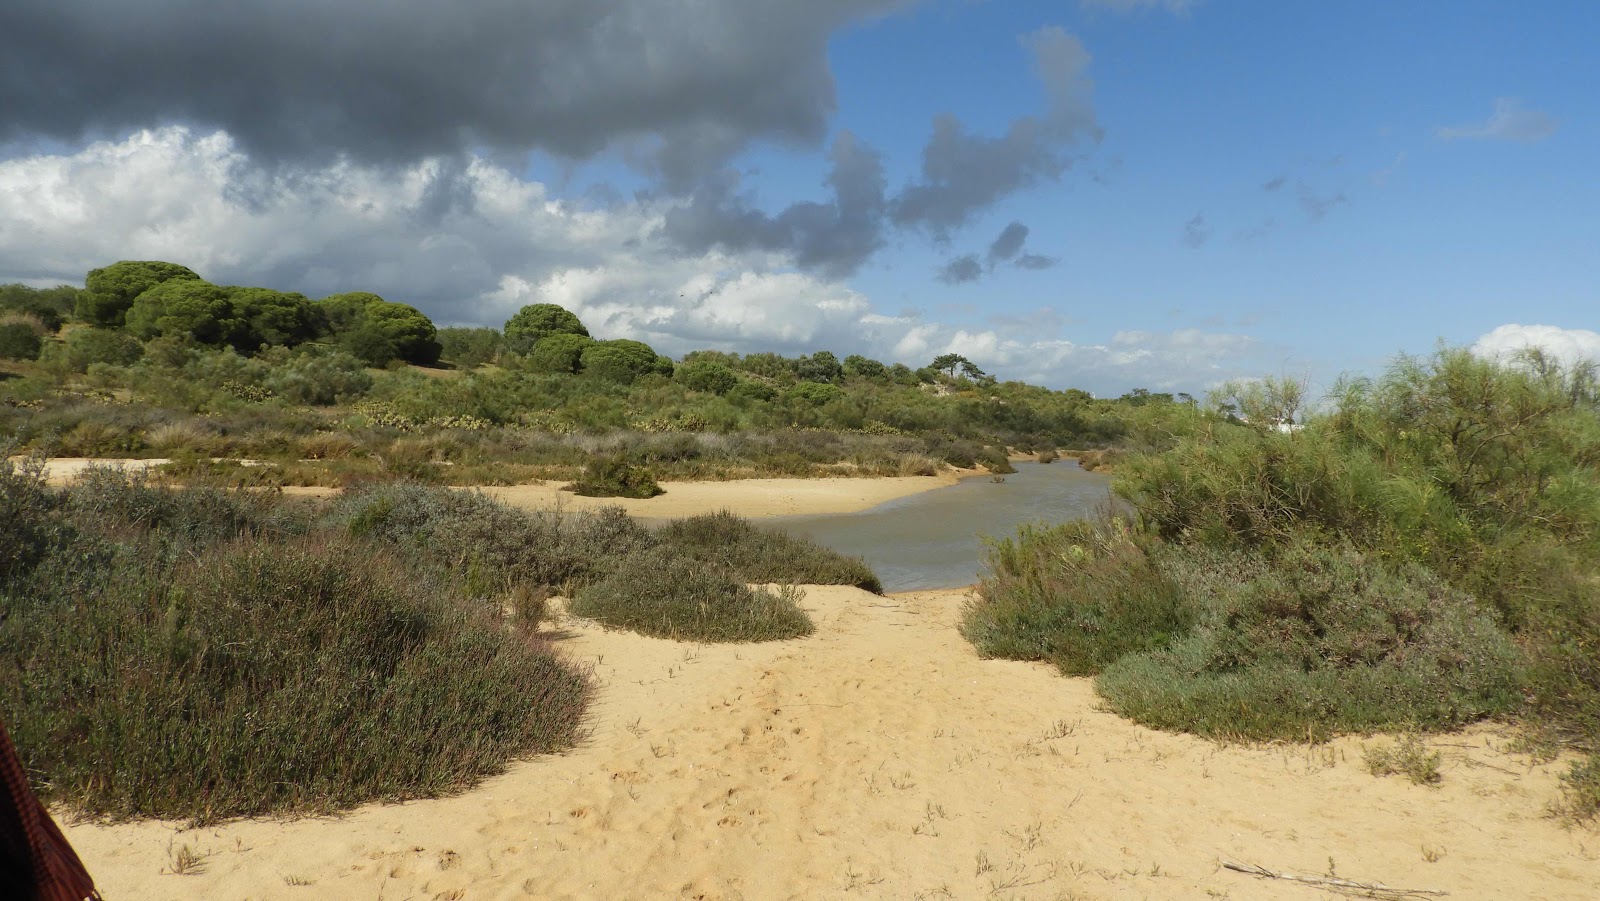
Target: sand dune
x=882 y=759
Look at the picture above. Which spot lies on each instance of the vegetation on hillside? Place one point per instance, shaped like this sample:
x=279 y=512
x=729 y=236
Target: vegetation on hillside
x=151 y=360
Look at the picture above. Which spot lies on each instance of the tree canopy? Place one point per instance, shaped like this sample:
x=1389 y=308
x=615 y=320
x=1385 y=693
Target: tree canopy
x=111 y=290
x=199 y=309
x=377 y=331
x=535 y=322
x=622 y=360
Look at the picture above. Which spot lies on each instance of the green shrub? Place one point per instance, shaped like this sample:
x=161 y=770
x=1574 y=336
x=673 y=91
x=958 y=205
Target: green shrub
x=1313 y=641
x=707 y=376
x=261 y=678
x=1407 y=757
x=1079 y=595
x=84 y=347
x=1580 y=791
x=995 y=460
x=613 y=475
x=19 y=340
x=560 y=353
x=662 y=594
x=754 y=554
x=321 y=379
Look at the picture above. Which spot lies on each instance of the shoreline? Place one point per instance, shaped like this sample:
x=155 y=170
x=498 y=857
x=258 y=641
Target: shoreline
x=749 y=498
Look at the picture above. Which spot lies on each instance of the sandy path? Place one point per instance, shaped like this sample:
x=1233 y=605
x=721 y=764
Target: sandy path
x=882 y=759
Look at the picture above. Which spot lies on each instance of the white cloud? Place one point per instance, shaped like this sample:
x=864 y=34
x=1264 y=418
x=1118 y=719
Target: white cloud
x=1509 y=122
x=1569 y=345
x=469 y=243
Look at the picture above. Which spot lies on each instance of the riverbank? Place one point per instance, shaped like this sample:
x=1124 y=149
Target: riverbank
x=882 y=759
x=750 y=498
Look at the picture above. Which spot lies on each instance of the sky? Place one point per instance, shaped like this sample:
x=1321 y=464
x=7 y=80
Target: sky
x=1101 y=194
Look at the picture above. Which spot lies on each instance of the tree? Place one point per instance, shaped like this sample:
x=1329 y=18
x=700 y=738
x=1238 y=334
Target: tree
x=111 y=290
x=275 y=319
x=469 y=348
x=623 y=360
x=535 y=322
x=19 y=340
x=821 y=366
x=702 y=375
x=199 y=309
x=971 y=371
x=949 y=363
x=861 y=367
x=51 y=305
x=377 y=331
x=559 y=353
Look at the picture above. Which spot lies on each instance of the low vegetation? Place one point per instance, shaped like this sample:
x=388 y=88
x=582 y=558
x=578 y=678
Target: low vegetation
x=724 y=541
x=203 y=653
x=1420 y=555
x=663 y=594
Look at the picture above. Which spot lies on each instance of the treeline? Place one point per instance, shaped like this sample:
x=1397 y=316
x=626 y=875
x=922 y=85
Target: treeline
x=148 y=359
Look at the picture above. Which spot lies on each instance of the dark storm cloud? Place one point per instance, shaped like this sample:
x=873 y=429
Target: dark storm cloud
x=295 y=80
x=963 y=173
x=833 y=238
x=961 y=270
x=1009 y=243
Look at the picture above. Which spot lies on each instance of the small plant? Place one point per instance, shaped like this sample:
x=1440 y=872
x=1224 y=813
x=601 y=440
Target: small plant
x=1407 y=757
x=185 y=860
x=1580 y=791
x=614 y=475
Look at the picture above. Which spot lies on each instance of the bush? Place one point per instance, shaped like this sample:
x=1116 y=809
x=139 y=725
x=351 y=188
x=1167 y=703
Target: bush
x=754 y=554
x=510 y=549
x=19 y=340
x=85 y=347
x=1407 y=757
x=559 y=353
x=271 y=678
x=662 y=594
x=708 y=376
x=1312 y=641
x=321 y=379
x=613 y=475
x=1079 y=595
x=1580 y=791
x=623 y=361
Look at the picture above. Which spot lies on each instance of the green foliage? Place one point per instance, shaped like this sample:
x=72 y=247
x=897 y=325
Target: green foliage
x=377 y=331
x=320 y=379
x=274 y=319
x=111 y=290
x=469 y=348
x=1079 y=595
x=857 y=366
x=814 y=394
x=755 y=554
x=50 y=305
x=559 y=354
x=84 y=347
x=536 y=322
x=623 y=360
x=1580 y=791
x=821 y=366
x=1317 y=640
x=614 y=475
x=663 y=594
x=191 y=307
x=192 y=654
x=708 y=376
x=19 y=340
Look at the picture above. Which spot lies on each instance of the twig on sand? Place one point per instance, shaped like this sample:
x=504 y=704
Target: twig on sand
x=1333 y=883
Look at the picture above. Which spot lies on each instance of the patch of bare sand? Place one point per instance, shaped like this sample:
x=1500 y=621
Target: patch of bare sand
x=752 y=498
x=882 y=759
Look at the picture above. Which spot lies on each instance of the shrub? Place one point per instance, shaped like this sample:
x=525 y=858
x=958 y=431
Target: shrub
x=708 y=376
x=559 y=353
x=1316 y=640
x=613 y=475
x=84 y=347
x=321 y=379
x=19 y=340
x=1580 y=791
x=269 y=678
x=623 y=361
x=1407 y=757
x=662 y=594
x=755 y=554
x=1079 y=595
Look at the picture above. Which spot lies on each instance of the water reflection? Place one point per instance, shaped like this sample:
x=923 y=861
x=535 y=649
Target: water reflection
x=934 y=539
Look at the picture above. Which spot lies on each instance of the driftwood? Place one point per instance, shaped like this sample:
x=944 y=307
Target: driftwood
x=1333 y=883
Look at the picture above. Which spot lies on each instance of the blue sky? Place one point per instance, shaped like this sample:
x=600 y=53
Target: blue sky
x=1209 y=189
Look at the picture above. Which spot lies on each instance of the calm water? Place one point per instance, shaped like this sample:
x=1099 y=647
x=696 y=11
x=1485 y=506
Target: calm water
x=934 y=539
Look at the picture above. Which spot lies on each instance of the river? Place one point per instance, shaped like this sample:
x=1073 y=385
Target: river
x=935 y=539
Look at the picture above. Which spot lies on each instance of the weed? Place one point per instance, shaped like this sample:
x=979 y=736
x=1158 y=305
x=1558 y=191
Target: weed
x=1407 y=757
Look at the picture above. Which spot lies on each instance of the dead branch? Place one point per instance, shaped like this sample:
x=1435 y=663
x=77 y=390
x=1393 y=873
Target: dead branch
x=1333 y=883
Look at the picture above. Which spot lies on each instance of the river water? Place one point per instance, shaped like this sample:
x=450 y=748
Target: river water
x=935 y=539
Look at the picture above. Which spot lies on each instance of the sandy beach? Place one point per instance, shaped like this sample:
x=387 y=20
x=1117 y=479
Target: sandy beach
x=753 y=498
x=882 y=759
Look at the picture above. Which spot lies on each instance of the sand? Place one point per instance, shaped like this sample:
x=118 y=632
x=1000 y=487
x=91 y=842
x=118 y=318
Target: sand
x=753 y=498
x=882 y=759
